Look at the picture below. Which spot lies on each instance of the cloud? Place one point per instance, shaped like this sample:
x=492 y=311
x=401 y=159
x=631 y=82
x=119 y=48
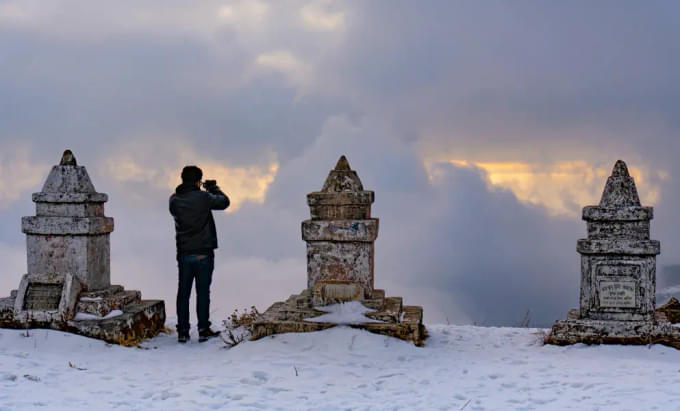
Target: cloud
x=14 y=266
x=448 y=242
x=562 y=187
x=243 y=183
x=317 y=16
x=245 y=14
x=18 y=172
x=281 y=60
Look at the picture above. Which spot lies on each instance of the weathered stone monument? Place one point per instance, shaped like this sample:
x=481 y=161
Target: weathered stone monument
x=68 y=284
x=340 y=246
x=618 y=274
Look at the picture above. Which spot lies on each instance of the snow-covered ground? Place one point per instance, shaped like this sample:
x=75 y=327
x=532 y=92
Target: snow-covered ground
x=462 y=367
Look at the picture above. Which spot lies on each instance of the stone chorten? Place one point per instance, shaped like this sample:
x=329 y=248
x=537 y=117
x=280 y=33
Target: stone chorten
x=340 y=237
x=68 y=285
x=340 y=255
x=618 y=274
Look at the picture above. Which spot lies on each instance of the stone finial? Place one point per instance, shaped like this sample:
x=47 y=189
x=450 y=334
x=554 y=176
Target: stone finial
x=620 y=169
x=343 y=164
x=342 y=179
x=620 y=190
x=68 y=177
x=68 y=159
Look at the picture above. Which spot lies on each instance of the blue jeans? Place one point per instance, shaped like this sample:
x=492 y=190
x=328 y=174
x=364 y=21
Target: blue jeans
x=200 y=268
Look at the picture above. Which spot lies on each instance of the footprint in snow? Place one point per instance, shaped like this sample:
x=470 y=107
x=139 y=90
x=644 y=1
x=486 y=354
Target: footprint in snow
x=167 y=394
x=260 y=375
x=259 y=378
x=276 y=390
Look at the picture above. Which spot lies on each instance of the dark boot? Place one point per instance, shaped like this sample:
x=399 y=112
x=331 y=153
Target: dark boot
x=182 y=337
x=205 y=335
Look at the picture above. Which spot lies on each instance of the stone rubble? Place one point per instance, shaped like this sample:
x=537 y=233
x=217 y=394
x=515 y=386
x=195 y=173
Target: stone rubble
x=68 y=253
x=340 y=266
x=618 y=274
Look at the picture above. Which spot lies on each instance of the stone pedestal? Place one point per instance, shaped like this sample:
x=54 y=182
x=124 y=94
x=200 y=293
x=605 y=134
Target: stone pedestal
x=618 y=273
x=68 y=284
x=340 y=266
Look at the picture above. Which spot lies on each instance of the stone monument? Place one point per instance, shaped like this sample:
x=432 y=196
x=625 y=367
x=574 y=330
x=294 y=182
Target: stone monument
x=340 y=240
x=618 y=274
x=68 y=284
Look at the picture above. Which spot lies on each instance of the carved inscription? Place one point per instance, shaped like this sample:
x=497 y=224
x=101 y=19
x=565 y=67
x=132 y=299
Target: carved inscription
x=42 y=297
x=623 y=269
x=617 y=294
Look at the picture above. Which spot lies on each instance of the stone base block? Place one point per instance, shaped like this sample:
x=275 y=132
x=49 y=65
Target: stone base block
x=6 y=311
x=101 y=303
x=138 y=322
x=403 y=322
x=573 y=331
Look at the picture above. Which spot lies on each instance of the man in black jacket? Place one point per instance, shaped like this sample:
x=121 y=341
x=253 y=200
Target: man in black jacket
x=196 y=239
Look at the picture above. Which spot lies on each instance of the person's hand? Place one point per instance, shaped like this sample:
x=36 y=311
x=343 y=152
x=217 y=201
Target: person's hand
x=210 y=185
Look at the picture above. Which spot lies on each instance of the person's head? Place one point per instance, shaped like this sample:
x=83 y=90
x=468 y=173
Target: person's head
x=192 y=175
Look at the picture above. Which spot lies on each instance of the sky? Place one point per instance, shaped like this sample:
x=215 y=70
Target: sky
x=482 y=127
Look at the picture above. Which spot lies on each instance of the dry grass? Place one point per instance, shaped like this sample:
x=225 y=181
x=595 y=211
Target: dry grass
x=238 y=326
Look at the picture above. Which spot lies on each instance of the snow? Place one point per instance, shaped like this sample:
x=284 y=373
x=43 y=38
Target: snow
x=351 y=312
x=88 y=316
x=87 y=299
x=462 y=367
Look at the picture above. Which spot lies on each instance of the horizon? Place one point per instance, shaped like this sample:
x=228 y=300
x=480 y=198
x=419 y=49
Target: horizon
x=482 y=130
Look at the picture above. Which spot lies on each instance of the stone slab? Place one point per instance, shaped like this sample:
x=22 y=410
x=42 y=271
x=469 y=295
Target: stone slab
x=86 y=256
x=340 y=212
x=415 y=333
x=597 y=270
x=6 y=311
x=66 y=225
x=70 y=197
x=671 y=310
x=602 y=230
x=351 y=261
x=283 y=317
x=331 y=292
x=596 y=213
x=102 y=305
x=139 y=321
x=573 y=331
x=619 y=246
x=37 y=304
x=340 y=230
x=69 y=209
x=343 y=198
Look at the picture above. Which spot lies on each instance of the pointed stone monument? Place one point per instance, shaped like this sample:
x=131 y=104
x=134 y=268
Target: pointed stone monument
x=68 y=284
x=340 y=240
x=618 y=274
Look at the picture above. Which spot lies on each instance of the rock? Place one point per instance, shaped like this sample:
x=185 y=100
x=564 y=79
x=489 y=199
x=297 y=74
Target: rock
x=671 y=309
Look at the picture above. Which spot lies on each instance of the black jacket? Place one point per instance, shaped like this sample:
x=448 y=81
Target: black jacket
x=194 y=224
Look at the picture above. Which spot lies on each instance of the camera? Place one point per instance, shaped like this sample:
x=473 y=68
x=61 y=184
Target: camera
x=209 y=184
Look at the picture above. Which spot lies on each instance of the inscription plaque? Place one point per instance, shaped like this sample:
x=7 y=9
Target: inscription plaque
x=617 y=294
x=42 y=297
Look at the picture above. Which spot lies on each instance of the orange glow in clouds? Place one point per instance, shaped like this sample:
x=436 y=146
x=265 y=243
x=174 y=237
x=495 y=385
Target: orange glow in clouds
x=562 y=187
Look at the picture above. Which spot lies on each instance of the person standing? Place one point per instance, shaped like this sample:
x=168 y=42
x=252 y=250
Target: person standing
x=196 y=239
